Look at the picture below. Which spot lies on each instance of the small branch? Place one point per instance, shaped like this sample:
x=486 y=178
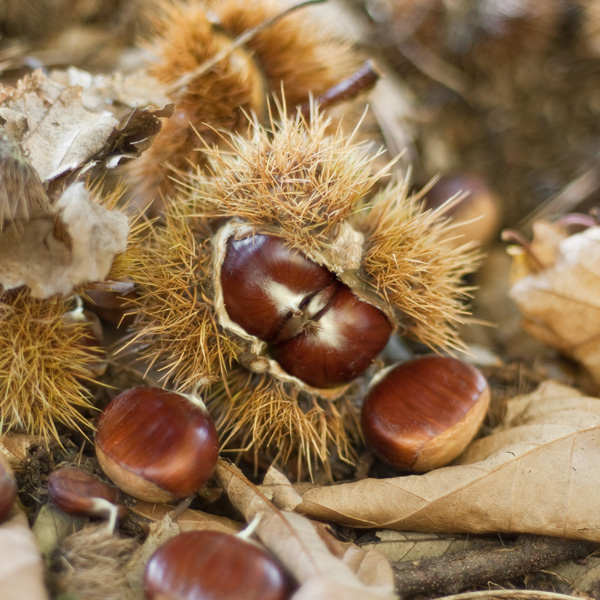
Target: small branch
x=510 y=595
x=514 y=237
x=363 y=80
x=435 y=68
x=566 y=200
x=462 y=570
x=206 y=66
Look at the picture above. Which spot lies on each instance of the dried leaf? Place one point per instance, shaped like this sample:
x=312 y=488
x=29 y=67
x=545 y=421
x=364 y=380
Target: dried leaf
x=21 y=566
x=298 y=545
x=15 y=446
x=52 y=526
x=71 y=122
x=413 y=545
x=581 y=576
x=146 y=513
x=54 y=260
x=536 y=474
x=560 y=302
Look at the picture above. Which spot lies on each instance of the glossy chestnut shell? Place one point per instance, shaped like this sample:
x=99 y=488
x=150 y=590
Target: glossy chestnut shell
x=156 y=445
x=318 y=330
x=423 y=413
x=8 y=489
x=211 y=565
x=77 y=492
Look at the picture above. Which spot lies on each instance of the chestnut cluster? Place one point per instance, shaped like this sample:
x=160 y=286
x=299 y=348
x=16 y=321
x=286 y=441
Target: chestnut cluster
x=318 y=330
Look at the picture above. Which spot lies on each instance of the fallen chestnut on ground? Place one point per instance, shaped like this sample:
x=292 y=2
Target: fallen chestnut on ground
x=157 y=445
x=77 y=492
x=423 y=413
x=206 y=565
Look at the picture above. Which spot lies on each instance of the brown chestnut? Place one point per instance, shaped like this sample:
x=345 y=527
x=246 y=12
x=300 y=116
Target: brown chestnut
x=77 y=492
x=423 y=413
x=111 y=301
x=338 y=344
x=157 y=445
x=476 y=215
x=205 y=565
x=8 y=488
x=318 y=329
x=265 y=282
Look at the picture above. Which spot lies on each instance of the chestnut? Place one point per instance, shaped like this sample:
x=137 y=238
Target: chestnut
x=339 y=343
x=423 y=413
x=157 y=445
x=319 y=331
x=8 y=489
x=265 y=282
x=111 y=301
x=77 y=492
x=204 y=565
x=476 y=215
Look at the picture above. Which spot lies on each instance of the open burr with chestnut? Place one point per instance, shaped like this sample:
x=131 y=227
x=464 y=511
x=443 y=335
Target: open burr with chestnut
x=279 y=278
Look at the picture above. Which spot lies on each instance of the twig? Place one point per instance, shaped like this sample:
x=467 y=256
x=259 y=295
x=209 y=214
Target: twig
x=462 y=570
x=510 y=595
x=206 y=66
x=363 y=80
x=566 y=200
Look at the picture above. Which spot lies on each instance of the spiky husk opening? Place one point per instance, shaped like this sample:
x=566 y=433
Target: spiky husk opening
x=175 y=329
x=294 y=181
x=411 y=261
x=46 y=366
x=297 y=182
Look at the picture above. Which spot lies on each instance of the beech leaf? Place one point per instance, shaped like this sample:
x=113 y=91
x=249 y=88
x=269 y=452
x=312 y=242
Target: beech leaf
x=71 y=122
x=536 y=474
x=560 y=302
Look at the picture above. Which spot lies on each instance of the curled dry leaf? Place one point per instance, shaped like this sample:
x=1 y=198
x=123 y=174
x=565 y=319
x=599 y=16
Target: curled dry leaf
x=21 y=566
x=64 y=127
x=53 y=260
x=16 y=446
x=559 y=296
x=298 y=544
x=536 y=474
